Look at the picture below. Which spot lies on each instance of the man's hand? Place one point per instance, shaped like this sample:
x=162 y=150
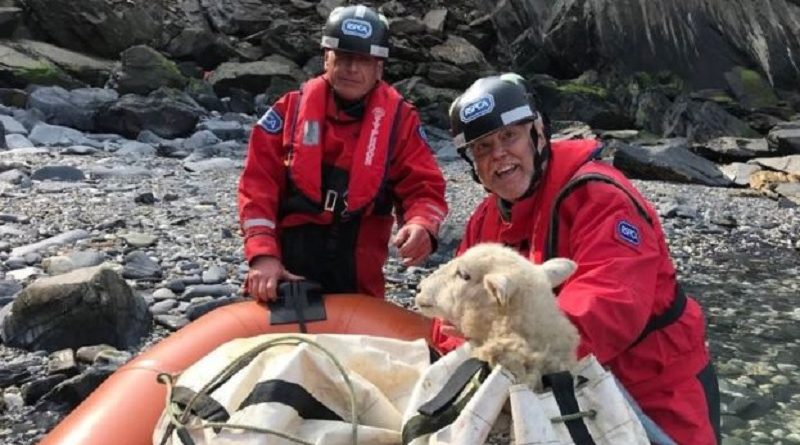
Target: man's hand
x=264 y=275
x=450 y=330
x=413 y=243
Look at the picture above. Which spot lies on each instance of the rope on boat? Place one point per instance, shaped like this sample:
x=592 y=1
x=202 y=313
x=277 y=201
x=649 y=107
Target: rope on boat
x=179 y=418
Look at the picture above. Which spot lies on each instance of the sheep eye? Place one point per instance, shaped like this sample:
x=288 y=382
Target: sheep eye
x=461 y=274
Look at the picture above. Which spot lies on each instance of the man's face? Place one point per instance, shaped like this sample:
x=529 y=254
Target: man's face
x=352 y=75
x=504 y=160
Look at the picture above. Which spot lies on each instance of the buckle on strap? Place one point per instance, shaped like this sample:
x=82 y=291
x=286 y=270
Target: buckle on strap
x=330 y=200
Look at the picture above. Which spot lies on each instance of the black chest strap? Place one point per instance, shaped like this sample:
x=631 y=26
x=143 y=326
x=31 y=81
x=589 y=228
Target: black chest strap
x=656 y=322
x=551 y=248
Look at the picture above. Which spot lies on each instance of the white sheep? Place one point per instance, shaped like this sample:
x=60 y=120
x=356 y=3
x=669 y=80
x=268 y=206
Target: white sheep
x=504 y=305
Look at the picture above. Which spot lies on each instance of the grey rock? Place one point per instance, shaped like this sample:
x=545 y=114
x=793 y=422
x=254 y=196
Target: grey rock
x=144 y=69
x=274 y=76
x=15 y=177
x=728 y=149
x=58 y=173
x=62 y=362
x=214 y=275
x=139 y=266
x=136 y=150
x=87 y=258
x=175 y=286
x=111 y=358
x=785 y=140
x=163 y=306
x=88 y=354
x=139 y=240
x=201 y=307
x=75 y=109
x=55 y=135
x=211 y=164
x=11 y=125
x=75 y=25
x=58 y=240
x=751 y=407
x=91 y=70
x=671 y=161
x=9 y=288
x=212 y=290
x=223 y=129
x=171 y=322
x=434 y=20
x=14 y=373
x=34 y=390
x=74 y=390
x=166 y=112
x=79 y=150
x=739 y=172
x=17 y=141
x=118 y=172
x=45 y=313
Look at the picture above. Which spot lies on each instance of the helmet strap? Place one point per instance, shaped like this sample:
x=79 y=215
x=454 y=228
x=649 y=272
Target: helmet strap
x=540 y=158
x=463 y=153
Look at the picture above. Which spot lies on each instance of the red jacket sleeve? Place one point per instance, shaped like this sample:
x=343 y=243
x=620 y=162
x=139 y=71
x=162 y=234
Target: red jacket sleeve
x=261 y=184
x=416 y=179
x=610 y=298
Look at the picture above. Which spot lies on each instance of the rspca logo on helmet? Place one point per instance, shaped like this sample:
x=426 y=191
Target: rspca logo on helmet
x=271 y=122
x=356 y=27
x=477 y=108
x=628 y=232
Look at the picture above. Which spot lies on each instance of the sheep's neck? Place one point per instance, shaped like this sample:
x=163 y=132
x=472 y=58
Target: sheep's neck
x=499 y=328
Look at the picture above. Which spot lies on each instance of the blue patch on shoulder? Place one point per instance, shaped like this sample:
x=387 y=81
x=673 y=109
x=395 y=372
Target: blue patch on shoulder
x=271 y=122
x=423 y=134
x=628 y=232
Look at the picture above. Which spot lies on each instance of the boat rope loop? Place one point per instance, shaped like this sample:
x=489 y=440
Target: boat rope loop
x=179 y=418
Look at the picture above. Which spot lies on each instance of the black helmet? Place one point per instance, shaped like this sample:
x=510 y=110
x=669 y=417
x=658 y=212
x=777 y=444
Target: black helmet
x=489 y=104
x=357 y=29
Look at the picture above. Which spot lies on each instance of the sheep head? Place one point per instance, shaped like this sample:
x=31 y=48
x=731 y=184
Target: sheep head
x=485 y=284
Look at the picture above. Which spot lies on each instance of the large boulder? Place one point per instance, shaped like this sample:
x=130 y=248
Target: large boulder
x=76 y=108
x=144 y=69
x=93 y=71
x=785 y=138
x=84 y=307
x=166 y=112
x=240 y=17
x=700 y=40
x=282 y=37
x=701 y=121
x=18 y=70
x=100 y=27
x=274 y=76
x=670 y=160
x=750 y=88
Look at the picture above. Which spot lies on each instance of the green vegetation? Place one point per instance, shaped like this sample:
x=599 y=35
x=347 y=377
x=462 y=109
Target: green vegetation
x=43 y=73
x=579 y=88
x=663 y=80
x=755 y=91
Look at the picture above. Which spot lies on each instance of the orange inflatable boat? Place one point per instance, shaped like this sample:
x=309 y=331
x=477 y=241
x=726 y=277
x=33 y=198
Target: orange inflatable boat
x=125 y=408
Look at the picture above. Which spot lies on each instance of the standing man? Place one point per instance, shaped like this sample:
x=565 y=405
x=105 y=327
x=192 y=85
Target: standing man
x=328 y=163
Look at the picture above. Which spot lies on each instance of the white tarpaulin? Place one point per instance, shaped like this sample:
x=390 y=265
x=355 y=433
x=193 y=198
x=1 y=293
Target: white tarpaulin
x=296 y=390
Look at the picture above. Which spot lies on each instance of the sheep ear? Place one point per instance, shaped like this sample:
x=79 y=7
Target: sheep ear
x=498 y=286
x=558 y=270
